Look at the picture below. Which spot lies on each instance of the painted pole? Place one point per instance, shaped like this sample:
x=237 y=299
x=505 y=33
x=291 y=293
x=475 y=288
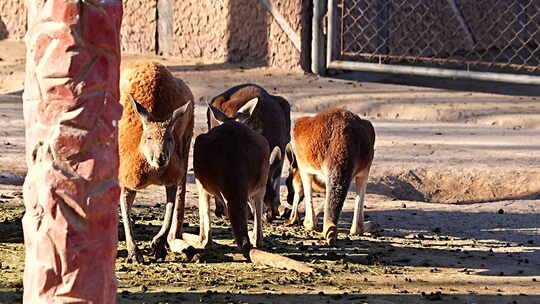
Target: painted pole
x=71 y=111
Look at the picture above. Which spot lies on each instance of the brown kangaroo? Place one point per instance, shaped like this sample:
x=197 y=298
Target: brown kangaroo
x=330 y=150
x=154 y=138
x=270 y=117
x=231 y=162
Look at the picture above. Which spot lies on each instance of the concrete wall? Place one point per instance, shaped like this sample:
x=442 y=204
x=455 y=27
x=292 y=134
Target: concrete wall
x=227 y=30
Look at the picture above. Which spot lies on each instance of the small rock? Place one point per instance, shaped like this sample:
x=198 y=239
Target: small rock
x=144 y=288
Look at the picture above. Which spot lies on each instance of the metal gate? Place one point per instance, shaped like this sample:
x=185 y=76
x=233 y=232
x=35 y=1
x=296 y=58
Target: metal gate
x=493 y=40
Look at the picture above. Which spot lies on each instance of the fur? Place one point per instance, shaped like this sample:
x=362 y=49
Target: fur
x=231 y=162
x=149 y=83
x=153 y=88
x=330 y=150
x=271 y=118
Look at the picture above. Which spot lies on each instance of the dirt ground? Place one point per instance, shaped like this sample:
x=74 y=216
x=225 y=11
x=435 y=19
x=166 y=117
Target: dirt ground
x=455 y=185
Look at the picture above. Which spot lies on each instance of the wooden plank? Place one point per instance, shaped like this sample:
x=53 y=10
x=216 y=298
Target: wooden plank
x=164 y=29
x=293 y=36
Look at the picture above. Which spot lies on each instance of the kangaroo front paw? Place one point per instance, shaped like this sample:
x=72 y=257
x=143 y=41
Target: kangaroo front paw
x=159 y=248
x=283 y=211
x=135 y=256
x=293 y=221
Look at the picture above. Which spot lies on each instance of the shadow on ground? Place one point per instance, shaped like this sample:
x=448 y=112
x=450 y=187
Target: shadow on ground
x=448 y=84
x=236 y=297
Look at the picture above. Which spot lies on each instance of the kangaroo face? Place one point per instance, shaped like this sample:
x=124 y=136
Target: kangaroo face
x=157 y=142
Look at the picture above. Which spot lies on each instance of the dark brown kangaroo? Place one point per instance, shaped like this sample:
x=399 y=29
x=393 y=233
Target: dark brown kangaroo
x=231 y=162
x=271 y=118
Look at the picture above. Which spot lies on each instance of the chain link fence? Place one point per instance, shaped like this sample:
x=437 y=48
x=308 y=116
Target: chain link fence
x=474 y=35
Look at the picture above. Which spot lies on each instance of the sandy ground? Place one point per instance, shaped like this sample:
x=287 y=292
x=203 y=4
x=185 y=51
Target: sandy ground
x=455 y=186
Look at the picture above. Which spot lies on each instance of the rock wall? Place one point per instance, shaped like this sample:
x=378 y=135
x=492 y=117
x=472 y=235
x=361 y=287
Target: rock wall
x=282 y=52
x=12 y=19
x=138 y=34
x=211 y=30
x=236 y=31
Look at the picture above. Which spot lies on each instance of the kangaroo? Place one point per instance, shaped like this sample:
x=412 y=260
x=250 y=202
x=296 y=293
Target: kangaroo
x=154 y=139
x=231 y=162
x=328 y=151
x=271 y=118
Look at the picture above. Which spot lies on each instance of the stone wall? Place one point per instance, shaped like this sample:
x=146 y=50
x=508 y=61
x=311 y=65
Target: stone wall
x=12 y=19
x=138 y=34
x=236 y=30
x=211 y=30
x=282 y=52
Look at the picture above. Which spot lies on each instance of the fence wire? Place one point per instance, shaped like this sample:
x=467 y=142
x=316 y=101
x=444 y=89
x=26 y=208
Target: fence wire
x=468 y=34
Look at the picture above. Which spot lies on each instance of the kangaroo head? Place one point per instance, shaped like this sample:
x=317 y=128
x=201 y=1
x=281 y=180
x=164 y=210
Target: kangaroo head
x=157 y=142
x=244 y=115
x=293 y=172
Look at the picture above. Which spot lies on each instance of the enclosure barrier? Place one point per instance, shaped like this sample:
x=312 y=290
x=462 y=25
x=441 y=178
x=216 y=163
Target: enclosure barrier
x=492 y=40
x=71 y=111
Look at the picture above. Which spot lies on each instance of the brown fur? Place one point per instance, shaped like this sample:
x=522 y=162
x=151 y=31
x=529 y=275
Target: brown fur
x=231 y=161
x=331 y=149
x=332 y=139
x=271 y=118
x=149 y=82
x=155 y=89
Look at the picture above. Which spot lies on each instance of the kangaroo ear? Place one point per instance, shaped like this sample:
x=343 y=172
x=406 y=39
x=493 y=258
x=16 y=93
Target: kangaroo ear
x=141 y=112
x=275 y=156
x=244 y=113
x=178 y=113
x=249 y=107
x=217 y=114
x=290 y=155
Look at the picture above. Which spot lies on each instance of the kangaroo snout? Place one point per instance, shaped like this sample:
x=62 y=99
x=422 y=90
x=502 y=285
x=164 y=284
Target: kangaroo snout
x=163 y=160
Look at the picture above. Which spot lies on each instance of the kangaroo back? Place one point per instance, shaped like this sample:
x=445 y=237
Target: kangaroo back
x=333 y=147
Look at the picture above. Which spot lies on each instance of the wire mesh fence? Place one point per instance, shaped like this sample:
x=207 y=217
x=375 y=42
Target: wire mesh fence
x=482 y=35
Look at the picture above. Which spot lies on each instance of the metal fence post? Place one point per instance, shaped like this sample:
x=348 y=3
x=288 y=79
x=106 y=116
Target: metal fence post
x=318 y=49
x=71 y=114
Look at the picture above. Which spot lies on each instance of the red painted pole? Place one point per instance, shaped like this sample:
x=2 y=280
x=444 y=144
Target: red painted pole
x=71 y=111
